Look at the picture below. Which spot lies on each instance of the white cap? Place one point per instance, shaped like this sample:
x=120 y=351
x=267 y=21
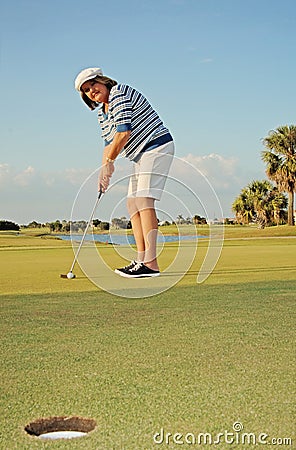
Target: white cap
x=85 y=75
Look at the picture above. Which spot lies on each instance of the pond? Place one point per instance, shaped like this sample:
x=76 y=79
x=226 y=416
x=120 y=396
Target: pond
x=126 y=239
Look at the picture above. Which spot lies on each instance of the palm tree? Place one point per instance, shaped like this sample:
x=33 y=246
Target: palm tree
x=280 y=158
x=180 y=219
x=259 y=192
x=198 y=220
x=278 y=203
x=260 y=202
x=243 y=207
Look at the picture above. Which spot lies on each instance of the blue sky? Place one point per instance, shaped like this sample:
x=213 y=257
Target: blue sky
x=221 y=74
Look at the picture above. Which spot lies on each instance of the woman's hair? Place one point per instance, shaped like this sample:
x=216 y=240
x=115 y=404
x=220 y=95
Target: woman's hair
x=108 y=82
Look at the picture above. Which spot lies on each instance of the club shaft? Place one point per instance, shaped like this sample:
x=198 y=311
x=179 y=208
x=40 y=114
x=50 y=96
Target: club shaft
x=85 y=231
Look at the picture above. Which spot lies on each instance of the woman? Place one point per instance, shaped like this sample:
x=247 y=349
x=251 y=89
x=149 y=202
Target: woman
x=132 y=128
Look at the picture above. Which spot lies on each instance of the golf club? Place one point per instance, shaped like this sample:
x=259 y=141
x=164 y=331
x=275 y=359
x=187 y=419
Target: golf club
x=70 y=274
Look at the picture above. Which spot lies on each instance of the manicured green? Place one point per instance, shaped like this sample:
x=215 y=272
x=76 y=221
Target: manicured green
x=194 y=359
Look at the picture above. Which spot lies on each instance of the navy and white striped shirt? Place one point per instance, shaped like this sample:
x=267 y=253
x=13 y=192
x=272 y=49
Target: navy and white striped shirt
x=129 y=110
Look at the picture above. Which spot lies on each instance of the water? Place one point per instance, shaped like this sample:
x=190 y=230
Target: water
x=127 y=239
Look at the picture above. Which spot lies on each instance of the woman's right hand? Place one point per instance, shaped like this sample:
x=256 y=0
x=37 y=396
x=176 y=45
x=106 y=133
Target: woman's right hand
x=105 y=175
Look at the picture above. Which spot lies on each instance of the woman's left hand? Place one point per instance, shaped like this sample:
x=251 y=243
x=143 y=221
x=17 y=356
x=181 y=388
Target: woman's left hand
x=105 y=175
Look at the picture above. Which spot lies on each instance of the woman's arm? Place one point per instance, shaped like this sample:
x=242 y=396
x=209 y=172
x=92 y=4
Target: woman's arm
x=112 y=150
x=110 y=153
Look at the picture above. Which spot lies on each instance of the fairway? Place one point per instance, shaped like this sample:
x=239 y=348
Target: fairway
x=193 y=360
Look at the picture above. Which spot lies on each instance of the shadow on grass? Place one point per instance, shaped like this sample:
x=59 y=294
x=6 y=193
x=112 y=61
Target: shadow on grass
x=215 y=272
x=221 y=272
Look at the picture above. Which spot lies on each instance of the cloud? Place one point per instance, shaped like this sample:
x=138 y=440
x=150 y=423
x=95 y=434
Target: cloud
x=30 y=177
x=216 y=181
x=32 y=194
x=220 y=171
x=25 y=177
x=13 y=177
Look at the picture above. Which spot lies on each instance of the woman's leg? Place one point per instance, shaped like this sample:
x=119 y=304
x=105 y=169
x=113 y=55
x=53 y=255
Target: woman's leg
x=149 y=226
x=145 y=228
x=137 y=228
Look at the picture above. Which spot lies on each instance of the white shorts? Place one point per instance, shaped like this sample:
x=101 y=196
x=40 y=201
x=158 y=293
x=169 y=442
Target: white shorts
x=151 y=171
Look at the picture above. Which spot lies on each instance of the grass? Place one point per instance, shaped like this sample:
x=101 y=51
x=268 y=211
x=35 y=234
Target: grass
x=33 y=265
x=196 y=358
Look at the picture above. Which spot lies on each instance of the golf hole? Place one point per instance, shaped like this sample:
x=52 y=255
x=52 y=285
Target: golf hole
x=60 y=427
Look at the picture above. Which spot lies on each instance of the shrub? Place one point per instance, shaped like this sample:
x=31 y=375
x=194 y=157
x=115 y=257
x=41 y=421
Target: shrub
x=7 y=225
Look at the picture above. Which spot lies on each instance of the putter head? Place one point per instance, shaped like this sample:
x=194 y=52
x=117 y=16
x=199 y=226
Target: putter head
x=63 y=275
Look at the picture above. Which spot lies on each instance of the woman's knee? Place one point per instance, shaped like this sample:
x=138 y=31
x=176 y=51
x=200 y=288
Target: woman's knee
x=144 y=203
x=131 y=206
x=137 y=204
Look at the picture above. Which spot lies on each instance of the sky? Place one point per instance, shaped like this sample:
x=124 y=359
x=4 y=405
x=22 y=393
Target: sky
x=220 y=73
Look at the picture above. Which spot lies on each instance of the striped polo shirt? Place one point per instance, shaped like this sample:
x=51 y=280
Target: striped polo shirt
x=129 y=110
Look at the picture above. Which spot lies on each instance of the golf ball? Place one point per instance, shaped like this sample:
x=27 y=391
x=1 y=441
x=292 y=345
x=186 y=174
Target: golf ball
x=70 y=275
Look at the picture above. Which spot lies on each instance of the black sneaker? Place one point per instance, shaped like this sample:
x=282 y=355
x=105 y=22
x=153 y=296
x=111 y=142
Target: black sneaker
x=124 y=269
x=139 y=271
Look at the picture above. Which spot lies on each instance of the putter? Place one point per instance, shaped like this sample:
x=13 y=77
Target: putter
x=70 y=274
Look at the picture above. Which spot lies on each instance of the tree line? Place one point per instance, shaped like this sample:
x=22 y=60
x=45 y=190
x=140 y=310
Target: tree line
x=66 y=226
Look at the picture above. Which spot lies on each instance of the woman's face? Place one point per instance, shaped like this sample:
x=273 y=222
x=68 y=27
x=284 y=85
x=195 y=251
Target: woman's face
x=96 y=91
